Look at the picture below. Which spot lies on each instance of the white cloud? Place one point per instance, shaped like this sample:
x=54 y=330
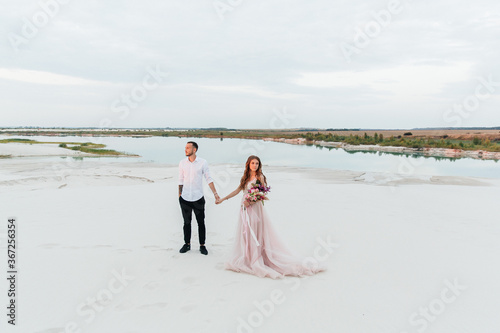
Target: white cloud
x=45 y=78
x=253 y=91
x=411 y=80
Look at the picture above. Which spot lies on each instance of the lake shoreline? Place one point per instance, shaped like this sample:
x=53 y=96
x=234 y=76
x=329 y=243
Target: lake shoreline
x=430 y=152
x=424 y=151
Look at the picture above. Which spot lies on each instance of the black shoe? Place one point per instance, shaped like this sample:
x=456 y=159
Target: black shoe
x=203 y=250
x=185 y=248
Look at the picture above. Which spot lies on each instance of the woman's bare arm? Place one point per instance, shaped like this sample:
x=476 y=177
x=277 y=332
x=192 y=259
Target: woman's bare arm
x=232 y=194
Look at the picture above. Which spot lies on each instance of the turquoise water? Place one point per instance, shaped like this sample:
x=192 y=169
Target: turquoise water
x=171 y=149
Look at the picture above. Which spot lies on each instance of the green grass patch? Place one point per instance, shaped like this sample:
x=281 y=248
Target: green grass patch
x=101 y=151
x=18 y=141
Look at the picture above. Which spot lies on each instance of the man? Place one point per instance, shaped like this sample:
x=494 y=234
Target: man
x=191 y=172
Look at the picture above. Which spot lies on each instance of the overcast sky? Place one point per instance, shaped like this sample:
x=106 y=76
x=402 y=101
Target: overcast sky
x=250 y=64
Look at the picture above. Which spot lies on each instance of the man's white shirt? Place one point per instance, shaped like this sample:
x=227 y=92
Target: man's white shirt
x=191 y=175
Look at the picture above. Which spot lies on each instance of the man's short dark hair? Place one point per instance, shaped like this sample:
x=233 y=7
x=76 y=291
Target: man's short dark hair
x=194 y=144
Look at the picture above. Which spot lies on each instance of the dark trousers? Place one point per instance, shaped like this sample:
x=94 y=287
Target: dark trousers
x=187 y=208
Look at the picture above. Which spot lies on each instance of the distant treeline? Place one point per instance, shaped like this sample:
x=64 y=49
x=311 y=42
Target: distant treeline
x=458 y=128
x=406 y=141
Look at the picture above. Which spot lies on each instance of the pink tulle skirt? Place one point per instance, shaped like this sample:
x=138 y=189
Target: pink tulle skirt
x=259 y=251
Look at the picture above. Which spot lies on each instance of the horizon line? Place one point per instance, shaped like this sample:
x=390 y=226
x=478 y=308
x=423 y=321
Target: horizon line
x=247 y=129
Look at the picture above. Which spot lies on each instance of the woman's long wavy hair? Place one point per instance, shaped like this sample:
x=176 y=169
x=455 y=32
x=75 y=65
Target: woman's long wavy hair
x=246 y=175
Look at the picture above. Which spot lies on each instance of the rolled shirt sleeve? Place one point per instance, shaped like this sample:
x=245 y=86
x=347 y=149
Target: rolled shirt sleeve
x=206 y=173
x=181 y=174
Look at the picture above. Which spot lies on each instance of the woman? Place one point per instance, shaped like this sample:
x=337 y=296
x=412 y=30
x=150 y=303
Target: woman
x=258 y=249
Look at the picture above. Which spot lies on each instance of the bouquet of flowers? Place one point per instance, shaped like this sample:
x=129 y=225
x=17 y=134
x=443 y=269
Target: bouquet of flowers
x=257 y=193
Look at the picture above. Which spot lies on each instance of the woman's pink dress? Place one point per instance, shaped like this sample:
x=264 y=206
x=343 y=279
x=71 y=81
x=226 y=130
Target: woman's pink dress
x=258 y=249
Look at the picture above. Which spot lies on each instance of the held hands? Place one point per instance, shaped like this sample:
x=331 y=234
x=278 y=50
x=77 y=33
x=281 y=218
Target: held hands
x=219 y=200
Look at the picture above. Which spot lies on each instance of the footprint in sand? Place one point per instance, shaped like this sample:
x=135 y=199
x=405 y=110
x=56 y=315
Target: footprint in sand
x=151 y=285
x=168 y=249
x=189 y=280
x=52 y=330
x=48 y=246
x=152 y=306
x=125 y=306
x=123 y=250
x=220 y=300
x=188 y=308
x=230 y=283
x=164 y=269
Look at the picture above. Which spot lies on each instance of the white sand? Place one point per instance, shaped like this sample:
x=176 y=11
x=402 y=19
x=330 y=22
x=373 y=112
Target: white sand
x=399 y=239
